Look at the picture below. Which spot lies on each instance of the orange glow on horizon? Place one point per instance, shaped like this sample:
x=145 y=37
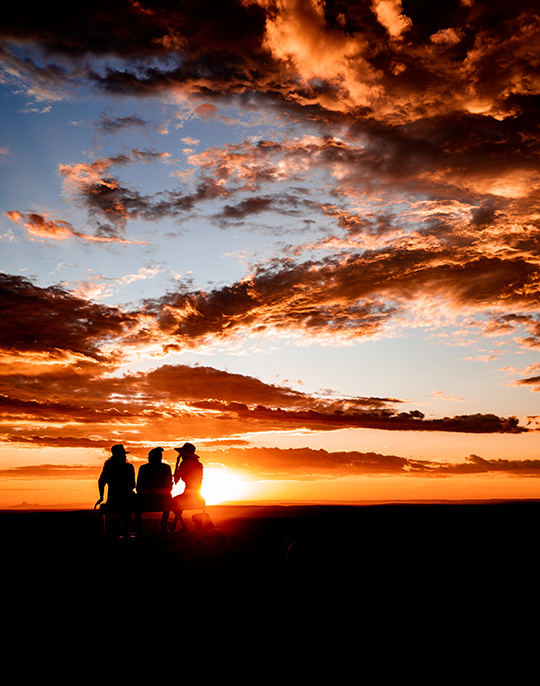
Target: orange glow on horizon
x=221 y=485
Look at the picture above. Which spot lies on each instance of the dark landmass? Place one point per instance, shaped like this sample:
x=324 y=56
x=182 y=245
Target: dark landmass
x=376 y=564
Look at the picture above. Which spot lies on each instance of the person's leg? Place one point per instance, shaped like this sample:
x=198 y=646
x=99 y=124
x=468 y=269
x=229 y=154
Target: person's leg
x=164 y=521
x=178 y=518
x=138 y=522
x=124 y=520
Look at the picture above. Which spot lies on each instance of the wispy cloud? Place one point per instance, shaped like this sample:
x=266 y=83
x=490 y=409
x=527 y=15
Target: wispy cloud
x=439 y=395
x=39 y=227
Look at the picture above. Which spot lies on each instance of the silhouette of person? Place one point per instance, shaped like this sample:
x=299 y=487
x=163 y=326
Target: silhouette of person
x=190 y=471
x=119 y=475
x=154 y=484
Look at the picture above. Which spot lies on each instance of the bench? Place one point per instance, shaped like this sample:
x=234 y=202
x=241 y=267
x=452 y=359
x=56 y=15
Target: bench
x=145 y=508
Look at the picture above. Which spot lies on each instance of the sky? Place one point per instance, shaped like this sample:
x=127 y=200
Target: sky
x=302 y=235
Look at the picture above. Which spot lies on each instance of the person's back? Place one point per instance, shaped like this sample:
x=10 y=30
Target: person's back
x=154 y=484
x=154 y=480
x=119 y=476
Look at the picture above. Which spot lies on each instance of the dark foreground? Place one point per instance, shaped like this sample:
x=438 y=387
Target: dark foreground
x=372 y=566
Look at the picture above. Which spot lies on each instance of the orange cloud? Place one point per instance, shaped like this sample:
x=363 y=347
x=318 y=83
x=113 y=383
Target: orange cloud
x=38 y=225
x=299 y=36
x=275 y=463
x=371 y=60
x=389 y=13
x=306 y=463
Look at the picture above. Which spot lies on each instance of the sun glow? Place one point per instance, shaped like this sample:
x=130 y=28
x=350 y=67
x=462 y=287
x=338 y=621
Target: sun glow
x=219 y=485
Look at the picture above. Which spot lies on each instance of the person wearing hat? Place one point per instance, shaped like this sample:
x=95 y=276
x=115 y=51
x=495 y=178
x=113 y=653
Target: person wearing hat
x=190 y=471
x=154 y=484
x=119 y=476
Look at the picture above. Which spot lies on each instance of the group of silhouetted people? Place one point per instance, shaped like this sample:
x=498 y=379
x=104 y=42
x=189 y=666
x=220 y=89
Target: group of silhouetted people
x=153 y=487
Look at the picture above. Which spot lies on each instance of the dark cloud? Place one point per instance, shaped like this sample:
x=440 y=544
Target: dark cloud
x=158 y=44
x=54 y=321
x=93 y=186
x=337 y=56
x=356 y=295
x=305 y=462
x=284 y=205
x=151 y=405
x=112 y=125
x=533 y=381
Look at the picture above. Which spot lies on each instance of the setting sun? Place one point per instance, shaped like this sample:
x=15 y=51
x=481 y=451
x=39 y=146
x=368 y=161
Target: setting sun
x=219 y=485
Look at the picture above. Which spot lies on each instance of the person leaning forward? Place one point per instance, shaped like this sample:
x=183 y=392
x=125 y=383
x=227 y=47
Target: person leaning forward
x=190 y=471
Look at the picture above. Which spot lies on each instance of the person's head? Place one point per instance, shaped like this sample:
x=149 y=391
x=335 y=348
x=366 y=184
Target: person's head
x=119 y=452
x=187 y=450
x=155 y=455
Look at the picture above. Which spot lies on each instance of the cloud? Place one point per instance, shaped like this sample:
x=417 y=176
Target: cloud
x=435 y=105
x=352 y=296
x=206 y=111
x=439 y=395
x=61 y=356
x=53 y=321
x=61 y=385
x=113 y=125
x=389 y=14
x=111 y=204
x=306 y=463
x=39 y=226
x=372 y=60
x=533 y=381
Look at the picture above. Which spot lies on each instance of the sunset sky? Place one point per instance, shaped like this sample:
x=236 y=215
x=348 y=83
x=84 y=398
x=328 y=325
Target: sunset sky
x=303 y=235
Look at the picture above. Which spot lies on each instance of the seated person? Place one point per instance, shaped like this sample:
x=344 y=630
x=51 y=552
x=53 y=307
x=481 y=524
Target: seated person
x=154 y=484
x=119 y=476
x=190 y=471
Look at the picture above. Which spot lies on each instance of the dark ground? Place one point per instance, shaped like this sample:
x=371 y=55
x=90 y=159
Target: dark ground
x=347 y=573
x=417 y=544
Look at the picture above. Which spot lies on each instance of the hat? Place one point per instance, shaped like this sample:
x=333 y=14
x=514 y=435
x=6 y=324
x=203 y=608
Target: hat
x=119 y=450
x=188 y=449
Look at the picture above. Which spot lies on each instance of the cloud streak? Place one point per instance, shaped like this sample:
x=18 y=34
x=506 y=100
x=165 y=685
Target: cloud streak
x=307 y=464
x=41 y=228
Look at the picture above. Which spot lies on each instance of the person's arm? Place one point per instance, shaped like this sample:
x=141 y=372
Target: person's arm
x=101 y=486
x=132 y=476
x=168 y=481
x=140 y=480
x=177 y=470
